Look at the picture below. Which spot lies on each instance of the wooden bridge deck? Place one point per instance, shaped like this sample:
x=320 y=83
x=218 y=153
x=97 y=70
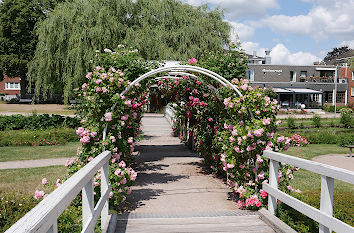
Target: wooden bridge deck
x=173 y=193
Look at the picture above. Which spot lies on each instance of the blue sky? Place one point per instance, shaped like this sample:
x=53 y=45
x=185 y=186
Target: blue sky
x=297 y=32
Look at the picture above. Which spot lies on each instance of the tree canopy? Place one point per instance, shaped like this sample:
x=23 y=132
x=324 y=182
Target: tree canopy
x=159 y=29
x=18 y=38
x=335 y=53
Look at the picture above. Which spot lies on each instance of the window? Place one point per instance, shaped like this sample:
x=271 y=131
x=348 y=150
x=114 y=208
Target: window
x=12 y=86
x=303 y=74
x=353 y=75
x=340 y=97
x=352 y=92
x=327 y=73
x=292 y=76
x=251 y=75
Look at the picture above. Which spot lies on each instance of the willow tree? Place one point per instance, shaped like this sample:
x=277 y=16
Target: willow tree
x=159 y=29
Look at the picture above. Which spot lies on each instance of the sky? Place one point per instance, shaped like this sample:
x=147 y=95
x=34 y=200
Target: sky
x=298 y=32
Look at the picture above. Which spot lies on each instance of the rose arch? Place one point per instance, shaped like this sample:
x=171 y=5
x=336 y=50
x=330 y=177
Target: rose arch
x=175 y=72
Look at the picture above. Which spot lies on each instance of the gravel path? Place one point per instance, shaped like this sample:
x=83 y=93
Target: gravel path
x=32 y=163
x=337 y=160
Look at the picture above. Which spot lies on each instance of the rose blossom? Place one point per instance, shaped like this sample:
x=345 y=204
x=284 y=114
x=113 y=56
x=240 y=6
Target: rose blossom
x=108 y=116
x=44 y=181
x=38 y=194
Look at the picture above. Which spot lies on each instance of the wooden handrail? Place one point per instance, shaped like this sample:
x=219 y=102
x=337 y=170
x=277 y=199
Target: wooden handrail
x=43 y=217
x=328 y=174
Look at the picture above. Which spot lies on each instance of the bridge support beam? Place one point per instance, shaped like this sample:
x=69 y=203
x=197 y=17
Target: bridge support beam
x=273 y=181
x=326 y=206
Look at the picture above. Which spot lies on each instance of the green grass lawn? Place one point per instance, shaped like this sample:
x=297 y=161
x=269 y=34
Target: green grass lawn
x=27 y=180
x=313 y=150
x=11 y=153
x=310 y=185
x=309 y=122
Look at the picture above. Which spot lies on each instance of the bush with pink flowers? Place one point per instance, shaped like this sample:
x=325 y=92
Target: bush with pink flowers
x=99 y=93
x=230 y=132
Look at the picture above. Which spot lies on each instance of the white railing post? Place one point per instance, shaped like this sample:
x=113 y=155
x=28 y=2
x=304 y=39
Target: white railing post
x=87 y=203
x=326 y=204
x=273 y=182
x=54 y=227
x=104 y=188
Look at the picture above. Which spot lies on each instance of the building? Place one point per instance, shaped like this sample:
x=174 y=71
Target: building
x=312 y=85
x=10 y=88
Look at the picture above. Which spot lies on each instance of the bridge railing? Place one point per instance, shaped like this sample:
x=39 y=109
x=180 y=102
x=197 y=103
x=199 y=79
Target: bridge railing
x=43 y=217
x=324 y=215
x=170 y=113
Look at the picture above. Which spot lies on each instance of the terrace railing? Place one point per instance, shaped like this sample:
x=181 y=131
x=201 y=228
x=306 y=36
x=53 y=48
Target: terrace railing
x=43 y=217
x=324 y=215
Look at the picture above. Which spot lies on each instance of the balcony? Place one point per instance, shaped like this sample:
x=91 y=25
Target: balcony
x=322 y=79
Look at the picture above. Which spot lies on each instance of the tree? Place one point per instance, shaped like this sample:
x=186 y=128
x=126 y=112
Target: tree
x=335 y=53
x=159 y=29
x=18 y=38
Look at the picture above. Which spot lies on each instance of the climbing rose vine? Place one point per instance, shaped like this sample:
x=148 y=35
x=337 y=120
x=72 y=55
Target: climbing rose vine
x=96 y=98
x=230 y=132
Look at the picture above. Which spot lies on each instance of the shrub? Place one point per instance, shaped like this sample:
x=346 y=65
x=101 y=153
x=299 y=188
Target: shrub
x=330 y=108
x=346 y=117
x=291 y=122
x=34 y=121
x=14 y=206
x=37 y=137
x=343 y=210
x=316 y=120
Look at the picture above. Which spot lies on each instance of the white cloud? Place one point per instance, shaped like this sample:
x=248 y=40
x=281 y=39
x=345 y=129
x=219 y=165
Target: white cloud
x=238 y=8
x=243 y=31
x=349 y=43
x=328 y=18
x=251 y=47
x=281 y=55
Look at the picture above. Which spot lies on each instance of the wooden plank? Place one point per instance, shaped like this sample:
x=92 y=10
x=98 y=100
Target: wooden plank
x=43 y=215
x=201 y=224
x=323 y=169
x=309 y=211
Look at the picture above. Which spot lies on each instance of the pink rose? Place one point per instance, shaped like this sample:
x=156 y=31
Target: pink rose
x=130 y=140
x=44 y=181
x=85 y=139
x=122 y=164
x=108 y=116
x=266 y=121
x=38 y=194
x=192 y=61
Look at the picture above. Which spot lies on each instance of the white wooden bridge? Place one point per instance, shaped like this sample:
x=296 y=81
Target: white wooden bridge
x=174 y=194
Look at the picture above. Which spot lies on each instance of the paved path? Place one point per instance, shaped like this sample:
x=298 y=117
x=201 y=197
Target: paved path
x=173 y=193
x=32 y=163
x=337 y=160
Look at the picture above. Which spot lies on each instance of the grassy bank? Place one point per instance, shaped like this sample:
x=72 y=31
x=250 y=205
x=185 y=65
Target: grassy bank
x=11 y=153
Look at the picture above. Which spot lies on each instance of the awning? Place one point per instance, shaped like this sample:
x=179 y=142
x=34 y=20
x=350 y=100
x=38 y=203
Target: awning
x=304 y=91
x=281 y=91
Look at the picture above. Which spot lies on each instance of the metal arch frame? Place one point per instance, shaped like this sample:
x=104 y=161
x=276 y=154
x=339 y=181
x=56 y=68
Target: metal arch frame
x=182 y=68
x=176 y=70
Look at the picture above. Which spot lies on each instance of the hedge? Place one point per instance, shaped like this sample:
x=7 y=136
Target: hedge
x=40 y=121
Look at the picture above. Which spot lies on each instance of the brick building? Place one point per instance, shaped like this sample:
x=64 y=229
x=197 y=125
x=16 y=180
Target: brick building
x=10 y=88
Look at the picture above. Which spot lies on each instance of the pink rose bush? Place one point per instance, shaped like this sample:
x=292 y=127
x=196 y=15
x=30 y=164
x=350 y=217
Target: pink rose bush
x=96 y=97
x=230 y=132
